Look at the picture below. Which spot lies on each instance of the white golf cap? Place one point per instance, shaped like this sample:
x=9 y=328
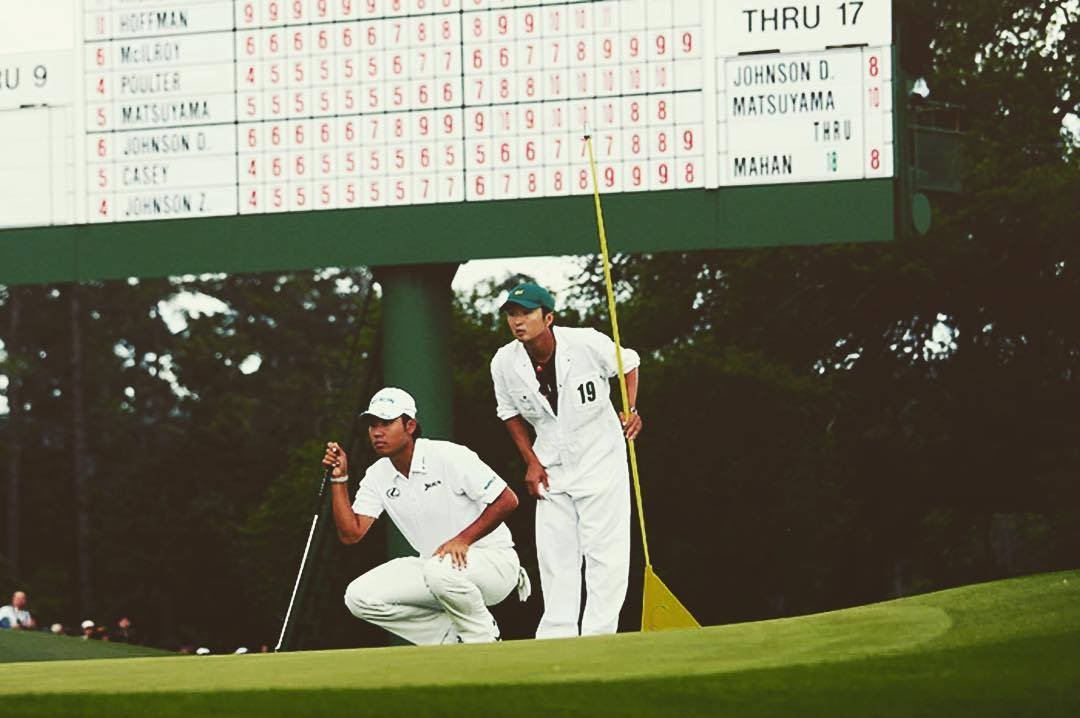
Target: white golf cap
x=87 y=624
x=390 y=403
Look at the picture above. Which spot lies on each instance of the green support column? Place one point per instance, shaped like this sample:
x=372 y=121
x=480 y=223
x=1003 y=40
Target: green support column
x=416 y=316
x=904 y=188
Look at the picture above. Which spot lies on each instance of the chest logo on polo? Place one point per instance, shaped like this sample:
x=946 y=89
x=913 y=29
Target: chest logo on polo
x=393 y=492
x=432 y=485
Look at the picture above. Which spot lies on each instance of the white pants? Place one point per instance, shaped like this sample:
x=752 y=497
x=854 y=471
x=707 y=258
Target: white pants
x=594 y=525
x=428 y=601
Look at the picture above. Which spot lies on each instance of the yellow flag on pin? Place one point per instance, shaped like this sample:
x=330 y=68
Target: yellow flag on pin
x=660 y=610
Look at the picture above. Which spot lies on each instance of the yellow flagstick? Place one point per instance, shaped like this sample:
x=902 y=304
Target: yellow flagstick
x=659 y=608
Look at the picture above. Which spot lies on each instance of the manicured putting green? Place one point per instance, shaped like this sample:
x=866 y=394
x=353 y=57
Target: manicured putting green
x=1004 y=648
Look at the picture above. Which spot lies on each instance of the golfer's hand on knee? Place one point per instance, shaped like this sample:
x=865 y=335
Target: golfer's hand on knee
x=335 y=456
x=457 y=549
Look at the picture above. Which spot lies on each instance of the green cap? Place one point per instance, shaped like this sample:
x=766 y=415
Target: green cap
x=530 y=296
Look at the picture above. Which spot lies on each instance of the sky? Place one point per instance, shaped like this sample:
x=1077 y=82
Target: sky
x=555 y=273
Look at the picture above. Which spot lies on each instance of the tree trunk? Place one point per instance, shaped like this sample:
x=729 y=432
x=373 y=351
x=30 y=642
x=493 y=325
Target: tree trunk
x=78 y=457
x=15 y=412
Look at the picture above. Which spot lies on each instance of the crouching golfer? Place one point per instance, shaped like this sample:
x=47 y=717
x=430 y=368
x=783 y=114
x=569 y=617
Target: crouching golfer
x=450 y=506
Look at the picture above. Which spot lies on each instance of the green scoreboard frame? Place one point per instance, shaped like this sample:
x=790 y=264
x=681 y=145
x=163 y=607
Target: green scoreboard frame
x=681 y=220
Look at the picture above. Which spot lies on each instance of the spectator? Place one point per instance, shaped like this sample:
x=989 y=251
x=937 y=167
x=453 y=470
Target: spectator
x=16 y=616
x=57 y=629
x=87 y=629
x=124 y=633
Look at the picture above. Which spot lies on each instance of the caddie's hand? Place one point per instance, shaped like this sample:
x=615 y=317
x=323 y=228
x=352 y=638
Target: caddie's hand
x=535 y=476
x=631 y=426
x=335 y=456
x=457 y=549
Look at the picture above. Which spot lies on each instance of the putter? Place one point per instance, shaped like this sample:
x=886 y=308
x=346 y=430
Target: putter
x=307 y=547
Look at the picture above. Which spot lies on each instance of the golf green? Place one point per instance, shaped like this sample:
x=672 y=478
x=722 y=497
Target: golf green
x=1004 y=648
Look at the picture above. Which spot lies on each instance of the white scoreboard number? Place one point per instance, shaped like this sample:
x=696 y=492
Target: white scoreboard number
x=212 y=107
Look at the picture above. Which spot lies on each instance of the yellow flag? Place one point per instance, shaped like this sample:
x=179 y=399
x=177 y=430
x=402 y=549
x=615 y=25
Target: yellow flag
x=660 y=610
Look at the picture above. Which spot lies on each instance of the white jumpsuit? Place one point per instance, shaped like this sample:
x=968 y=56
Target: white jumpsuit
x=586 y=512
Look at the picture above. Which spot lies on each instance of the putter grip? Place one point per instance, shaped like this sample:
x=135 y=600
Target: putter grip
x=323 y=483
x=329 y=470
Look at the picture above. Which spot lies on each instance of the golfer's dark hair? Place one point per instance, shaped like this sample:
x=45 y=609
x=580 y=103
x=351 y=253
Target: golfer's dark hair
x=417 y=434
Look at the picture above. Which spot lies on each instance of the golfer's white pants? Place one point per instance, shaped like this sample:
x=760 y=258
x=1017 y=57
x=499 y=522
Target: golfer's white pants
x=428 y=601
x=570 y=526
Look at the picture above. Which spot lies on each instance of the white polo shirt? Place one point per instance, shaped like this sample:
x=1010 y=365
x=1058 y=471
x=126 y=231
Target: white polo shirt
x=15 y=617
x=448 y=487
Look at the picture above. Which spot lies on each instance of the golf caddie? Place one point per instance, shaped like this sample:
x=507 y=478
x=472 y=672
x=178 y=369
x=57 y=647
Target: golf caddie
x=555 y=379
x=450 y=506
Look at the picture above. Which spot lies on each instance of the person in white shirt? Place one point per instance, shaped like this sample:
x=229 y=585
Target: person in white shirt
x=450 y=506
x=16 y=616
x=556 y=379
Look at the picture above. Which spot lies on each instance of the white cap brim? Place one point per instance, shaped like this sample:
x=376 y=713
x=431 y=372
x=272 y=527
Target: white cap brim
x=383 y=415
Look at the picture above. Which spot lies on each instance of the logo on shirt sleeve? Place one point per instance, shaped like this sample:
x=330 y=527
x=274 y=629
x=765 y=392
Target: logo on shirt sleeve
x=393 y=492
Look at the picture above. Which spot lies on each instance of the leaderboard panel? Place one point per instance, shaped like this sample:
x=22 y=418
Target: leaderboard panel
x=160 y=110
x=806 y=117
x=223 y=107
x=328 y=105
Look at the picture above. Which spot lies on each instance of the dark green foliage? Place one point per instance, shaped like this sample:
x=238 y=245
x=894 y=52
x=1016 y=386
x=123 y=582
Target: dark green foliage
x=195 y=496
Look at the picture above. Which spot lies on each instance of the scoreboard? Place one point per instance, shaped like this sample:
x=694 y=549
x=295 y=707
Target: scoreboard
x=147 y=110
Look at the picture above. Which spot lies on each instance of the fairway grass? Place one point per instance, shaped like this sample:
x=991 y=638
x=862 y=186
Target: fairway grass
x=1009 y=648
